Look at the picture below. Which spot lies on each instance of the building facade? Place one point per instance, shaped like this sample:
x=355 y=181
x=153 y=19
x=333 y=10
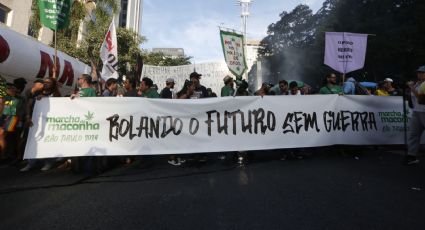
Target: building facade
x=170 y=52
x=130 y=16
x=16 y=14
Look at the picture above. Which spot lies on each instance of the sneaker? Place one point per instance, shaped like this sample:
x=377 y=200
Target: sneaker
x=411 y=160
x=174 y=162
x=240 y=160
x=26 y=168
x=46 y=167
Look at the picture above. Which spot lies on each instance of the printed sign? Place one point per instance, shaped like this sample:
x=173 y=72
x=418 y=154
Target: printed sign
x=234 y=54
x=345 y=52
x=54 y=14
x=142 y=126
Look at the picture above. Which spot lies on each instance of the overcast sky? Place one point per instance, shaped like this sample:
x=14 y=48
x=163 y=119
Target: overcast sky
x=193 y=24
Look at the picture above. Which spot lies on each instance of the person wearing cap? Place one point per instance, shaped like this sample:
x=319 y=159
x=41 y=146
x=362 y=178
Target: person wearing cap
x=382 y=89
x=389 y=87
x=227 y=89
x=200 y=90
x=417 y=121
x=331 y=86
x=166 y=91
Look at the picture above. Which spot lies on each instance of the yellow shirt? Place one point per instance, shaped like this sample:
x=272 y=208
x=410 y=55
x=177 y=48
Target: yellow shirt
x=381 y=92
x=422 y=88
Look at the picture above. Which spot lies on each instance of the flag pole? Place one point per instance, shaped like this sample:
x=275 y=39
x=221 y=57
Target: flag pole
x=56 y=55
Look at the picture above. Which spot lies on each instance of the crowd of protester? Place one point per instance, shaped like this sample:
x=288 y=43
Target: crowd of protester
x=17 y=105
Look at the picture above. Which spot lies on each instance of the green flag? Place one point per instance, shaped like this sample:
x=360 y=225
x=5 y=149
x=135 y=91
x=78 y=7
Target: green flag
x=234 y=53
x=54 y=14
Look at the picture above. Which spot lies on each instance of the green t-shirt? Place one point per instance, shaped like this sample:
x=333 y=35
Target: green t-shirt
x=336 y=89
x=227 y=91
x=87 y=92
x=150 y=94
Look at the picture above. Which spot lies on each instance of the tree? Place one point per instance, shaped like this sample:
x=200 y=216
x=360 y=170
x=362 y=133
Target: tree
x=96 y=24
x=159 y=59
x=297 y=40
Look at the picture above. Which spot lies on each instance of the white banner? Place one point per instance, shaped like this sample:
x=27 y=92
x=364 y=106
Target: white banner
x=234 y=52
x=141 y=126
x=109 y=54
x=23 y=56
x=212 y=74
x=345 y=52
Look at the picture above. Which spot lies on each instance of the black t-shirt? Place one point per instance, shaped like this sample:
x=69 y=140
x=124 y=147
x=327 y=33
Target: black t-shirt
x=131 y=93
x=166 y=93
x=203 y=90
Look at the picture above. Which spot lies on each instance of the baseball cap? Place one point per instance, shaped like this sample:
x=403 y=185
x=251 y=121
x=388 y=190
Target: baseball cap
x=421 y=69
x=195 y=75
x=388 y=79
x=39 y=81
x=170 y=80
x=227 y=78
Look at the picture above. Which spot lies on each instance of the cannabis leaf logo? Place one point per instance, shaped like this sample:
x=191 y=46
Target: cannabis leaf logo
x=89 y=116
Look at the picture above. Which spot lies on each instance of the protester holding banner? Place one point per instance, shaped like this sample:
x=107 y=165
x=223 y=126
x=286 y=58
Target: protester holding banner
x=166 y=91
x=130 y=84
x=200 y=90
x=146 y=90
x=10 y=120
x=417 y=122
x=294 y=89
x=227 y=89
x=331 y=86
x=49 y=89
x=111 y=87
x=382 y=89
x=242 y=90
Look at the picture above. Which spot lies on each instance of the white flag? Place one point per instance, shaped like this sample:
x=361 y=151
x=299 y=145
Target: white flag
x=345 y=52
x=109 y=54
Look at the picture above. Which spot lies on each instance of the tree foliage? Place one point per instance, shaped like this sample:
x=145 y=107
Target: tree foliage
x=95 y=27
x=294 y=47
x=159 y=59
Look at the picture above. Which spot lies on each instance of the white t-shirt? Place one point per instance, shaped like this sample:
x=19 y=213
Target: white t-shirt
x=416 y=106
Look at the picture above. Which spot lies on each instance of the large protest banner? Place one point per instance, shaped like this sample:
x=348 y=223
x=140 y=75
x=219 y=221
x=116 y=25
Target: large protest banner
x=18 y=51
x=345 y=52
x=139 y=126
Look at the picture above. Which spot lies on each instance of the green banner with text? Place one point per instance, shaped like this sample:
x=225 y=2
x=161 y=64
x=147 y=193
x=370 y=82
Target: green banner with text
x=54 y=14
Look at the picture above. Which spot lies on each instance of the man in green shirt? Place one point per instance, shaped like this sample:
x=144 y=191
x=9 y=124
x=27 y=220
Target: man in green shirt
x=227 y=89
x=331 y=86
x=84 y=81
x=146 y=89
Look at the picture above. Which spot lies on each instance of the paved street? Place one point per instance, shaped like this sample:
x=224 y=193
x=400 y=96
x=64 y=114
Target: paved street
x=368 y=190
